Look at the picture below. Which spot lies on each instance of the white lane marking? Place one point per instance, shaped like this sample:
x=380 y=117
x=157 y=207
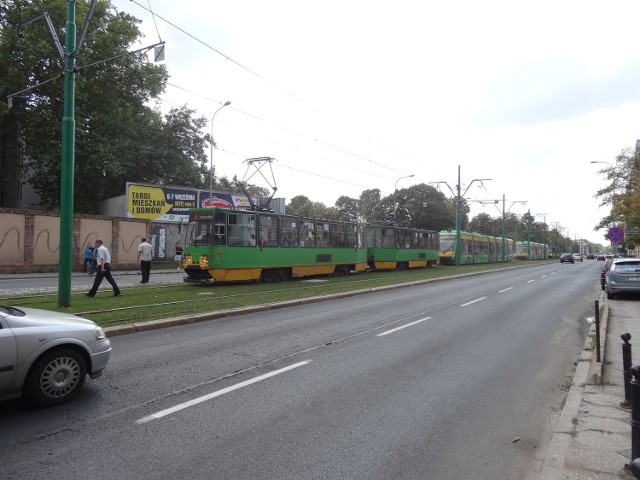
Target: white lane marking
x=473 y=301
x=195 y=401
x=531 y=281
x=543 y=276
x=505 y=290
x=403 y=326
x=553 y=273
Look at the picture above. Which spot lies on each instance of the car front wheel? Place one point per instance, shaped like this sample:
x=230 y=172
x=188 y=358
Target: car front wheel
x=56 y=377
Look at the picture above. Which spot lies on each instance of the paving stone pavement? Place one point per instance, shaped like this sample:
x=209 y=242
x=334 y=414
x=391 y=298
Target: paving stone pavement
x=592 y=439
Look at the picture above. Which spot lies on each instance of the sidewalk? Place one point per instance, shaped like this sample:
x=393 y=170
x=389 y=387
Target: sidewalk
x=22 y=276
x=592 y=439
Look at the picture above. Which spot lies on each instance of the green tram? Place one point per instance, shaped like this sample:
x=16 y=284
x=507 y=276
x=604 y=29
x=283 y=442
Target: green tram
x=475 y=248
x=396 y=248
x=226 y=245
x=531 y=251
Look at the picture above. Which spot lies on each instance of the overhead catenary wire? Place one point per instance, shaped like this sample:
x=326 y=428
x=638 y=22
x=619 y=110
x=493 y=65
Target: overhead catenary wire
x=263 y=78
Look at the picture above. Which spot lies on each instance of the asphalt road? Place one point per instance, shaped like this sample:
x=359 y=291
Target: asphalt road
x=460 y=378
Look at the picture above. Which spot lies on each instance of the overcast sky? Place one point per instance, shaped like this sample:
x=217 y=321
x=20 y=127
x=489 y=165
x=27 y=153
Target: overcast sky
x=349 y=95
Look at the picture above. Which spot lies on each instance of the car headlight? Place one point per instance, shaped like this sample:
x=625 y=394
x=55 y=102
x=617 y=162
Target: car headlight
x=99 y=333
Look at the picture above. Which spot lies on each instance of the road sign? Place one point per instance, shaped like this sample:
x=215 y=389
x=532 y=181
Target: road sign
x=616 y=235
x=632 y=231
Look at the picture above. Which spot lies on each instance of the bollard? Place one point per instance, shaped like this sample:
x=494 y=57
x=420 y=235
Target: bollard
x=626 y=369
x=598 y=359
x=635 y=414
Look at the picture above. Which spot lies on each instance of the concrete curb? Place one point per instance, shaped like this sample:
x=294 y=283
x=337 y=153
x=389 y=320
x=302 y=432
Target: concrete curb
x=588 y=372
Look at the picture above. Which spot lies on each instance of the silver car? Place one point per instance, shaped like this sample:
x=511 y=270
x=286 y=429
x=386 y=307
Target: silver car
x=46 y=355
x=623 y=276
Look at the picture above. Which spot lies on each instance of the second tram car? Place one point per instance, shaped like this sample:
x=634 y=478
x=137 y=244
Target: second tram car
x=474 y=248
x=391 y=247
x=531 y=251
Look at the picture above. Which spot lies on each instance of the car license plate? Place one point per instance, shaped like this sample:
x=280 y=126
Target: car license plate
x=634 y=279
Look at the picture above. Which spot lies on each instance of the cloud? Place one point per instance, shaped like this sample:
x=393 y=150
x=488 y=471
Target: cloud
x=558 y=90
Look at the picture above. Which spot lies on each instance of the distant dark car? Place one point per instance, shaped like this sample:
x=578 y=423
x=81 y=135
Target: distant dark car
x=591 y=256
x=566 y=258
x=604 y=270
x=623 y=277
x=600 y=257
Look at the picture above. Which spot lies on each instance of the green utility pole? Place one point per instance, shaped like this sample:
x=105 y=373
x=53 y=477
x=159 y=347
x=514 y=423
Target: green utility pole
x=458 y=222
x=504 y=220
x=459 y=195
x=504 y=231
x=65 y=256
x=528 y=234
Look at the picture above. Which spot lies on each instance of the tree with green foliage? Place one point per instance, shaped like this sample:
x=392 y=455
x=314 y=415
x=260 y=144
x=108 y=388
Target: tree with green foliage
x=369 y=206
x=346 y=209
x=427 y=208
x=301 y=205
x=119 y=137
x=622 y=193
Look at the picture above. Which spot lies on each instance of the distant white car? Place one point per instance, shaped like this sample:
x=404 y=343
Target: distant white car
x=47 y=355
x=577 y=257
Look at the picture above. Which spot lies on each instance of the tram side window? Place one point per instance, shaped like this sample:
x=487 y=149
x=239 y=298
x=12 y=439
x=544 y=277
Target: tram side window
x=268 y=231
x=388 y=238
x=467 y=246
x=373 y=237
x=403 y=239
x=288 y=232
x=242 y=229
x=481 y=247
x=337 y=235
x=307 y=234
x=219 y=228
x=353 y=239
x=323 y=234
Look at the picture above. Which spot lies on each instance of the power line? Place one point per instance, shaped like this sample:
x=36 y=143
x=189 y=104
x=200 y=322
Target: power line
x=287 y=92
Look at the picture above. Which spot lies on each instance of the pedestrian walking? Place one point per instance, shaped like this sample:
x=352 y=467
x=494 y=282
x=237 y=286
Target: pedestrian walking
x=88 y=257
x=103 y=260
x=178 y=257
x=144 y=258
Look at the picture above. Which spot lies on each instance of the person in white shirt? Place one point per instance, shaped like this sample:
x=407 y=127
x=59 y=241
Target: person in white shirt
x=144 y=258
x=103 y=260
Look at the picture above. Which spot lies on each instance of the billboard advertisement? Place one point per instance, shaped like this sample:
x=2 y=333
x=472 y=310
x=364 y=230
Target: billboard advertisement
x=224 y=200
x=160 y=203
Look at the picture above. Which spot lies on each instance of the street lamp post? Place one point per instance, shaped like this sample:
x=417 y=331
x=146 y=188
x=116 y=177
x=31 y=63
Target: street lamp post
x=459 y=196
x=395 y=191
x=227 y=103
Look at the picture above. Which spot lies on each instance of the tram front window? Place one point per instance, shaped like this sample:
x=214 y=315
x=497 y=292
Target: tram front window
x=201 y=234
x=447 y=243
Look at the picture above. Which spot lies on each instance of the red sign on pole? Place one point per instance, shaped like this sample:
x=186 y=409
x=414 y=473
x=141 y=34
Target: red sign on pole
x=616 y=235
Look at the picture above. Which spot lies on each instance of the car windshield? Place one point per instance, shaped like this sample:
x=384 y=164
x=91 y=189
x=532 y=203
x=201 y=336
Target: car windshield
x=11 y=311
